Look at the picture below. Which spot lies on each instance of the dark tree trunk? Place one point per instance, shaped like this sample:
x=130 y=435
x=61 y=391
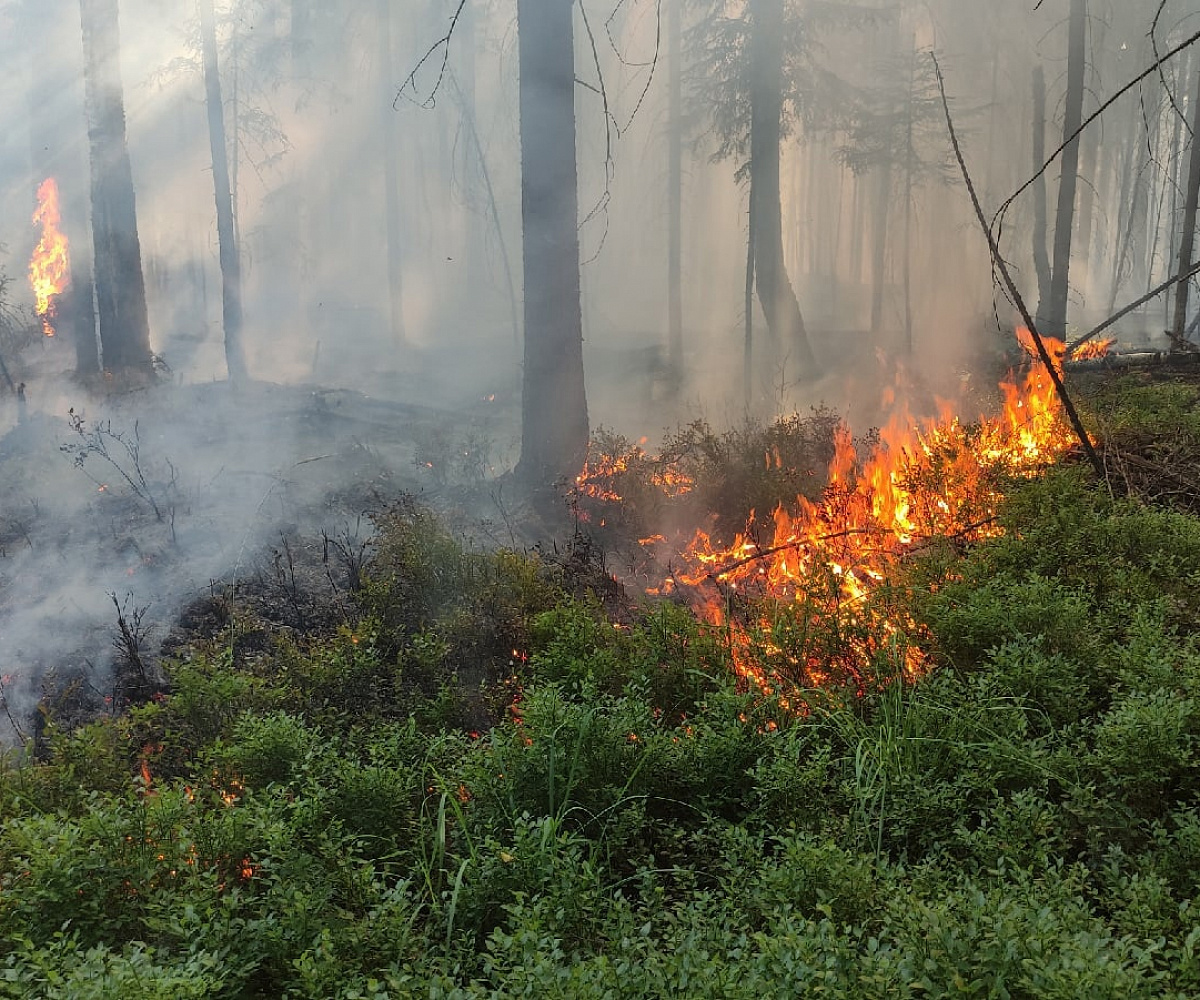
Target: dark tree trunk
x=231 y=264
x=1187 y=238
x=120 y=287
x=554 y=419
x=1053 y=313
x=779 y=304
x=1041 y=257
x=391 y=176
x=675 y=185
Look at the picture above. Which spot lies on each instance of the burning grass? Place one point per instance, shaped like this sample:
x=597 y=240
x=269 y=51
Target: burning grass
x=635 y=818
x=805 y=598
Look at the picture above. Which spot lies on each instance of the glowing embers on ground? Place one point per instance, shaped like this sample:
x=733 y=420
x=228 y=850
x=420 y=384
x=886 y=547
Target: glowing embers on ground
x=810 y=606
x=50 y=266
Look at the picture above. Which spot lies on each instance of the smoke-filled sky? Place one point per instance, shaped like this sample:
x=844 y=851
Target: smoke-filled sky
x=879 y=242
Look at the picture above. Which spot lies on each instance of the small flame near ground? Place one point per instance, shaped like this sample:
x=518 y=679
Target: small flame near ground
x=50 y=266
x=1093 y=349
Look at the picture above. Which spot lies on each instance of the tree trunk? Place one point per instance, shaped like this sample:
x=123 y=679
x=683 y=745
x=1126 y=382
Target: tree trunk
x=748 y=341
x=1054 y=312
x=554 y=419
x=1041 y=258
x=1087 y=196
x=909 y=155
x=675 y=186
x=120 y=287
x=879 y=240
x=391 y=176
x=1124 y=210
x=231 y=264
x=301 y=43
x=1187 y=238
x=785 y=322
x=477 y=276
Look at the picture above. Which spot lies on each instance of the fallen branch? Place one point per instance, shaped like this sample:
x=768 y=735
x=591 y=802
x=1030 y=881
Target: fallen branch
x=998 y=262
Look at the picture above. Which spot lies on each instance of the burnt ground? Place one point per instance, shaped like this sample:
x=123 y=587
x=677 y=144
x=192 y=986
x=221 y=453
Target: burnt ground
x=156 y=506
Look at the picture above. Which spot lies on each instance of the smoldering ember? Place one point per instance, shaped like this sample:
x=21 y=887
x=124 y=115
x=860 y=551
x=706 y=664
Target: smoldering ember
x=608 y=498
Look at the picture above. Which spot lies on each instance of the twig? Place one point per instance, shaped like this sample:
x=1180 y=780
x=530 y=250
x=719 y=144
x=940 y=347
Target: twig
x=1076 y=344
x=998 y=261
x=442 y=43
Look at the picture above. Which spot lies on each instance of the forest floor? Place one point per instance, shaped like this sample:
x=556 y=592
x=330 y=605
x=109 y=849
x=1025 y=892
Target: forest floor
x=415 y=753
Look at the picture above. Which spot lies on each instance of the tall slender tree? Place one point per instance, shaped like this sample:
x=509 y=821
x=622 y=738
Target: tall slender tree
x=1041 y=257
x=554 y=417
x=675 y=185
x=227 y=246
x=391 y=175
x=775 y=293
x=120 y=286
x=1052 y=314
x=1187 y=238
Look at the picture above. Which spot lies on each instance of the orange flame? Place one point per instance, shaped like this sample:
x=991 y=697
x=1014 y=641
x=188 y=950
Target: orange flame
x=50 y=266
x=1093 y=349
x=923 y=481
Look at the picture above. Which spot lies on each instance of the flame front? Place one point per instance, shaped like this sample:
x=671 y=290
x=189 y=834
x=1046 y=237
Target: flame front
x=827 y=560
x=50 y=266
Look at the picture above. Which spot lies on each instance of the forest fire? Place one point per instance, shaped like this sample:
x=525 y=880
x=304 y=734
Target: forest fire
x=50 y=266
x=809 y=606
x=1093 y=349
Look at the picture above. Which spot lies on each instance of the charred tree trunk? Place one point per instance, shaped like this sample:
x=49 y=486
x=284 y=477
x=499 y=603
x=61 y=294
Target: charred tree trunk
x=1053 y=314
x=554 y=418
x=785 y=322
x=1187 y=238
x=675 y=186
x=391 y=178
x=120 y=287
x=1041 y=258
x=231 y=264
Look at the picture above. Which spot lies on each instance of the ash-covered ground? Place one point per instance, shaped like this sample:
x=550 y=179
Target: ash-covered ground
x=144 y=503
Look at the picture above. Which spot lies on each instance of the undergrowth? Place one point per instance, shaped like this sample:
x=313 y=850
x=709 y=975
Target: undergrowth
x=484 y=784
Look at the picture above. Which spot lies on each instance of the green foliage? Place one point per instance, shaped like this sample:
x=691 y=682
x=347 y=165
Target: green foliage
x=479 y=786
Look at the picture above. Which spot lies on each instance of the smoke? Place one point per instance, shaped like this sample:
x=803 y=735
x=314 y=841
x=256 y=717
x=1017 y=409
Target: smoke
x=351 y=399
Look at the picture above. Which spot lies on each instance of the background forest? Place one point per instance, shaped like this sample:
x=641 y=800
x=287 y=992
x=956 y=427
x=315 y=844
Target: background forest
x=512 y=499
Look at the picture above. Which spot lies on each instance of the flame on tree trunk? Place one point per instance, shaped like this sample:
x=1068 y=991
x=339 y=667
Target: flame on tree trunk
x=231 y=265
x=120 y=287
x=785 y=323
x=554 y=419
